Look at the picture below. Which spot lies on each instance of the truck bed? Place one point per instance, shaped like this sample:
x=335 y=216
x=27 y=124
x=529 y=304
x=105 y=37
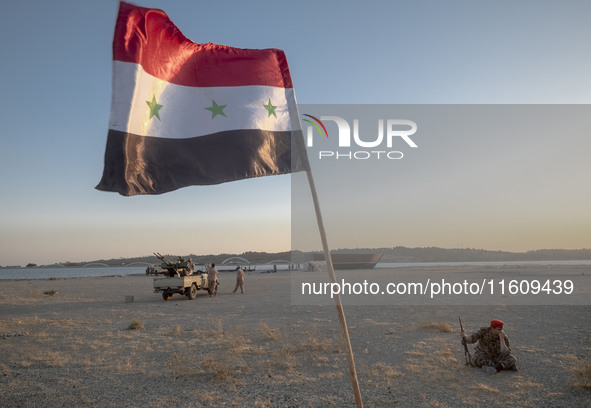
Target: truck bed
x=178 y=282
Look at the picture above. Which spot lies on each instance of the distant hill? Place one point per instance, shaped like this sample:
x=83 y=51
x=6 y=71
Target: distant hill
x=255 y=258
x=395 y=254
x=433 y=254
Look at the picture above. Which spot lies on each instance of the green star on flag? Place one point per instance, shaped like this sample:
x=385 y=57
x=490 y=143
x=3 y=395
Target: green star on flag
x=216 y=109
x=270 y=108
x=154 y=107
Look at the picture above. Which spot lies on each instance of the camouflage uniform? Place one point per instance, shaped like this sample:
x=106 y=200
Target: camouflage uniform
x=190 y=268
x=488 y=350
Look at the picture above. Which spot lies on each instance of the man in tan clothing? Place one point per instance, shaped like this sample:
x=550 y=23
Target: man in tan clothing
x=212 y=279
x=239 y=280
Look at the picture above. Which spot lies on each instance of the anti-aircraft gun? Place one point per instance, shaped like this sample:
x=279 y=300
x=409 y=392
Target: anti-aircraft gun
x=179 y=268
x=179 y=277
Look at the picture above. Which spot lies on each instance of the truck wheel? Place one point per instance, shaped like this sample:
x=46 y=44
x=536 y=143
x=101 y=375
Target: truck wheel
x=192 y=292
x=166 y=296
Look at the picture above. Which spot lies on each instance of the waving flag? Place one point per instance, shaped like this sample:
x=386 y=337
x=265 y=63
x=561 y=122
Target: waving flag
x=186 y=114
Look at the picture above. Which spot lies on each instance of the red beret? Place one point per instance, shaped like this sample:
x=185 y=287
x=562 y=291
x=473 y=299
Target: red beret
x=496 y=323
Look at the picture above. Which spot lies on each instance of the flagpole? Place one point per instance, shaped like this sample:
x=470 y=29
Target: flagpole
x=339 y=305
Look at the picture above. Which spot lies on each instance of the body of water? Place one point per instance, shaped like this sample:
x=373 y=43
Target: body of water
x=63 y=272
x=60 y=273
x=81 y=272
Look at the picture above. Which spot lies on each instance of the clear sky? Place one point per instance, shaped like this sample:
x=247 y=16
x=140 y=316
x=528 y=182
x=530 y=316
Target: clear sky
x=55 y=105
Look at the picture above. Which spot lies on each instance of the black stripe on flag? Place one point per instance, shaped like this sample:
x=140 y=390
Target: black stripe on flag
x=152 y=165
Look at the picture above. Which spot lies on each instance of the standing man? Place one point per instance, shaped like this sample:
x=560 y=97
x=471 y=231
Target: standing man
x=212 y=280
x=493 y=352
x=239 y=280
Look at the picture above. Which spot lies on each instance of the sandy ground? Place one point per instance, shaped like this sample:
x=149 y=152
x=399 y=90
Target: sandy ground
x=75 y=348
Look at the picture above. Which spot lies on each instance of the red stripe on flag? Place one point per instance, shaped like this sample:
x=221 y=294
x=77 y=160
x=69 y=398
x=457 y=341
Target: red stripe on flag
x=148 y=37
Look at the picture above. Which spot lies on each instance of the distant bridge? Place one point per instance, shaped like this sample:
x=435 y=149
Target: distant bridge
x=139 y=263
x=95 y=264
x=233 y=260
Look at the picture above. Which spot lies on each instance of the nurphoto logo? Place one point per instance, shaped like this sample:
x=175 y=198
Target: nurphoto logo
x=389 y=134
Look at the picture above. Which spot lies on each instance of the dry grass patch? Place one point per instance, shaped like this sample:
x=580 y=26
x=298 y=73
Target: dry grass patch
x=382 y=401
x=315 y=343
x=216 y=329
x=27 y=321
x=183 y=366
x=67 y=323
x=271 y=334
x=35 y=293
x=218 y=365
x=333 y=375
x=582 y=374
x=260 y=404
x=290 y=351
x=433 y=404
x=440 y=326
x=384 y=371
x=328 y=400
x=135 y=325
x=176 y=331
x=415 y=353
x=375 y=323
x=521 y=383
x=412 y=368
x=483 y=388
x=52 y=359
x=220 y=358
x=282 y=353
x=125 y=365
x=233 y=339
x=430 y=361
x=580 y=368
x=226 y=367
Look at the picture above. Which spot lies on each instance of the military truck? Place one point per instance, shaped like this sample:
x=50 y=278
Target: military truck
x=179 y=277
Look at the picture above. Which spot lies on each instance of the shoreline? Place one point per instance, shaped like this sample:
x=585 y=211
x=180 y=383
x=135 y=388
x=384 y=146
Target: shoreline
x=78 y=272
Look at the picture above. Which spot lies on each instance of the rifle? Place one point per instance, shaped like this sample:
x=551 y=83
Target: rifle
x=466 y=351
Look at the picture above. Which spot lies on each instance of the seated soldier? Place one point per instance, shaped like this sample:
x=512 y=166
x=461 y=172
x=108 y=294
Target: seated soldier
x=493 y=352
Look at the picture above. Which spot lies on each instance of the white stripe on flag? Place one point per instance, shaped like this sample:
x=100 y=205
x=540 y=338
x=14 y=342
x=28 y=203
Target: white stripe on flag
x=183 y=113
